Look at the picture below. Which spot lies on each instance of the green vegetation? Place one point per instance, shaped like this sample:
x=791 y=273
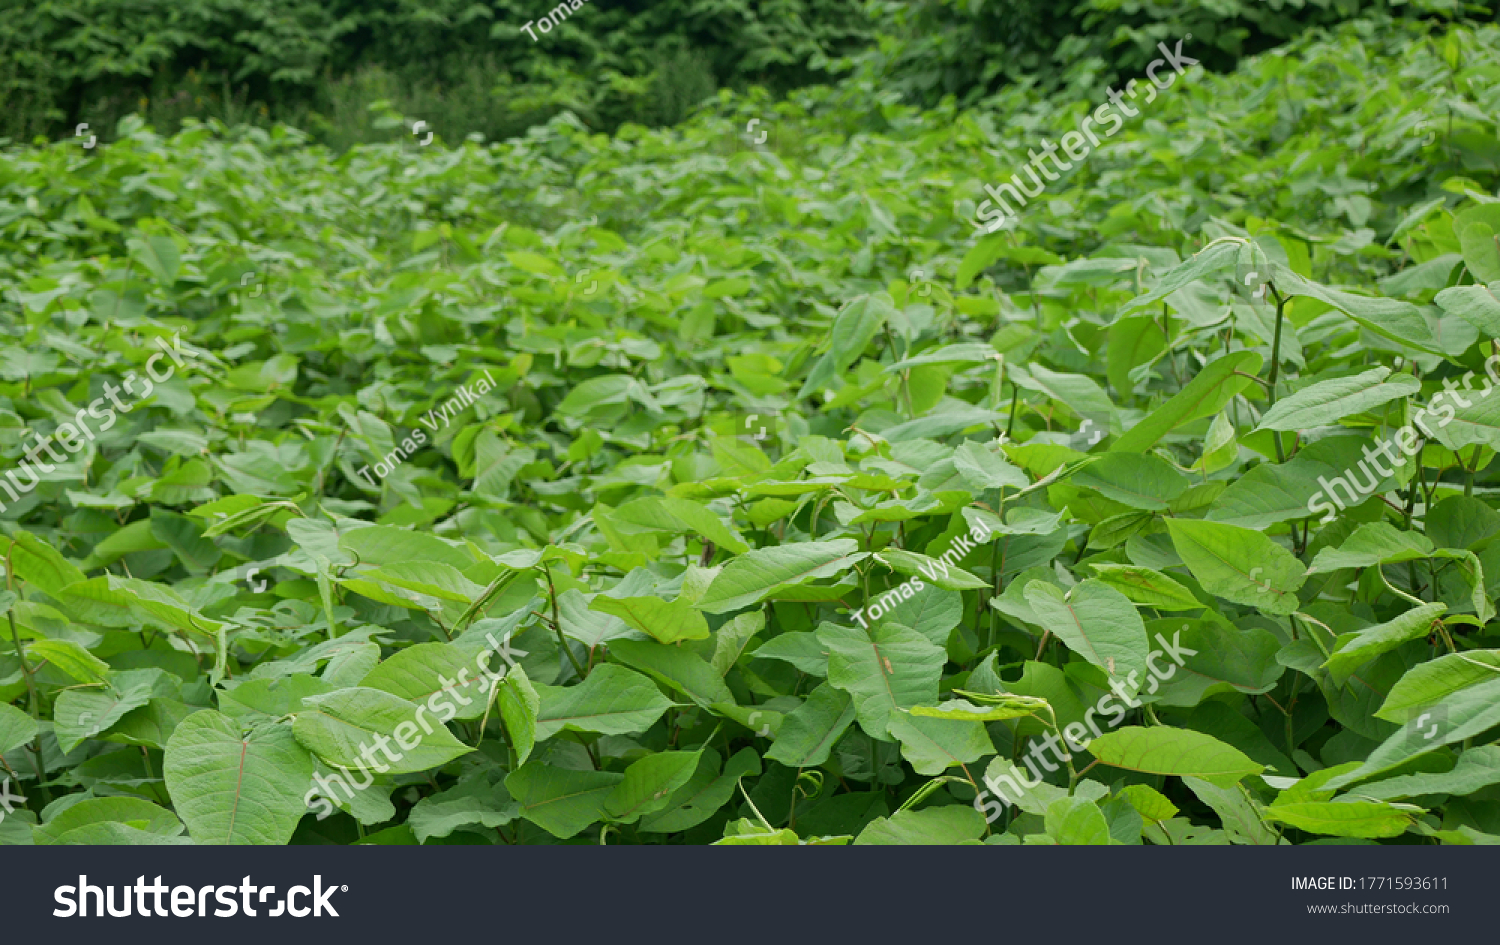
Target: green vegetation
x=697 y=434
x=468 y=67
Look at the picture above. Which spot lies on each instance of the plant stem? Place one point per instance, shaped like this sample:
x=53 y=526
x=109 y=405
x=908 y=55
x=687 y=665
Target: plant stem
x=557 y=628
x=1166 y=330
x=483 y=598
x=1276 y=365
x=31 y=691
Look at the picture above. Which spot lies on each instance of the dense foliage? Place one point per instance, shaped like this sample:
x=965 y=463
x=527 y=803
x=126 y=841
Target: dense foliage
x=670 y=487
x=472 y=67
x=464 y=66
x=969 y=48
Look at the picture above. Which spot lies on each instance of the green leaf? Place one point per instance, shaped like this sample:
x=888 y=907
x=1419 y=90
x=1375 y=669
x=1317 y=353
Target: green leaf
x=933 y=570
x=1097 y=622
x=704 y=794
x=1147 y=587
x=1173 y=751
x=611 y=701
x=367 y=729
x=1213 y=258
x=64 y=827
x=1400 y=322
x=420 y=672
x=1481 y=250
x=1371 y=544
x=70 y=658
x=649 y=784
x=1271 y=493
x=496 y=464
x=774 y=838
x=1343 y=818
x=675 y=667
x=664 y=621
x=1327 y=401
x=39 y=564
x=731 y=639
x=758 y=574
x=113 y=601
x=885 y=668
x=981 y=256
x=983 y=468
x=270 y=698
x=933 y=745
x=1133 y=341
x=562 y=801
x=1465 y=714
x=1148 y=802
x=801 y=649
x=16 y=728
x=160 y=256
x=1479 y=305
x=471 y=803
x=432 y=578
x=964 y=353
x=382 y=545
x=1139 y=481
x=1203 y=396
x=1477 y=423
x=587 y=626
x=519 y=707
x=1351 y=650
x=1241 y=820
x=1479 y=767
x=1028 y=792
x=1073 y=821
x=81 y=714
x=809 y=732
x=702 y=520
x=853 y=330
x=1239 y=564
x=932 y=613
x=931 y=826
x=1437 y=679
x=233 y=786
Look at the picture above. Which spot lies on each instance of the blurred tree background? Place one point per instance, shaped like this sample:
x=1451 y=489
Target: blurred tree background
x=465 y=66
